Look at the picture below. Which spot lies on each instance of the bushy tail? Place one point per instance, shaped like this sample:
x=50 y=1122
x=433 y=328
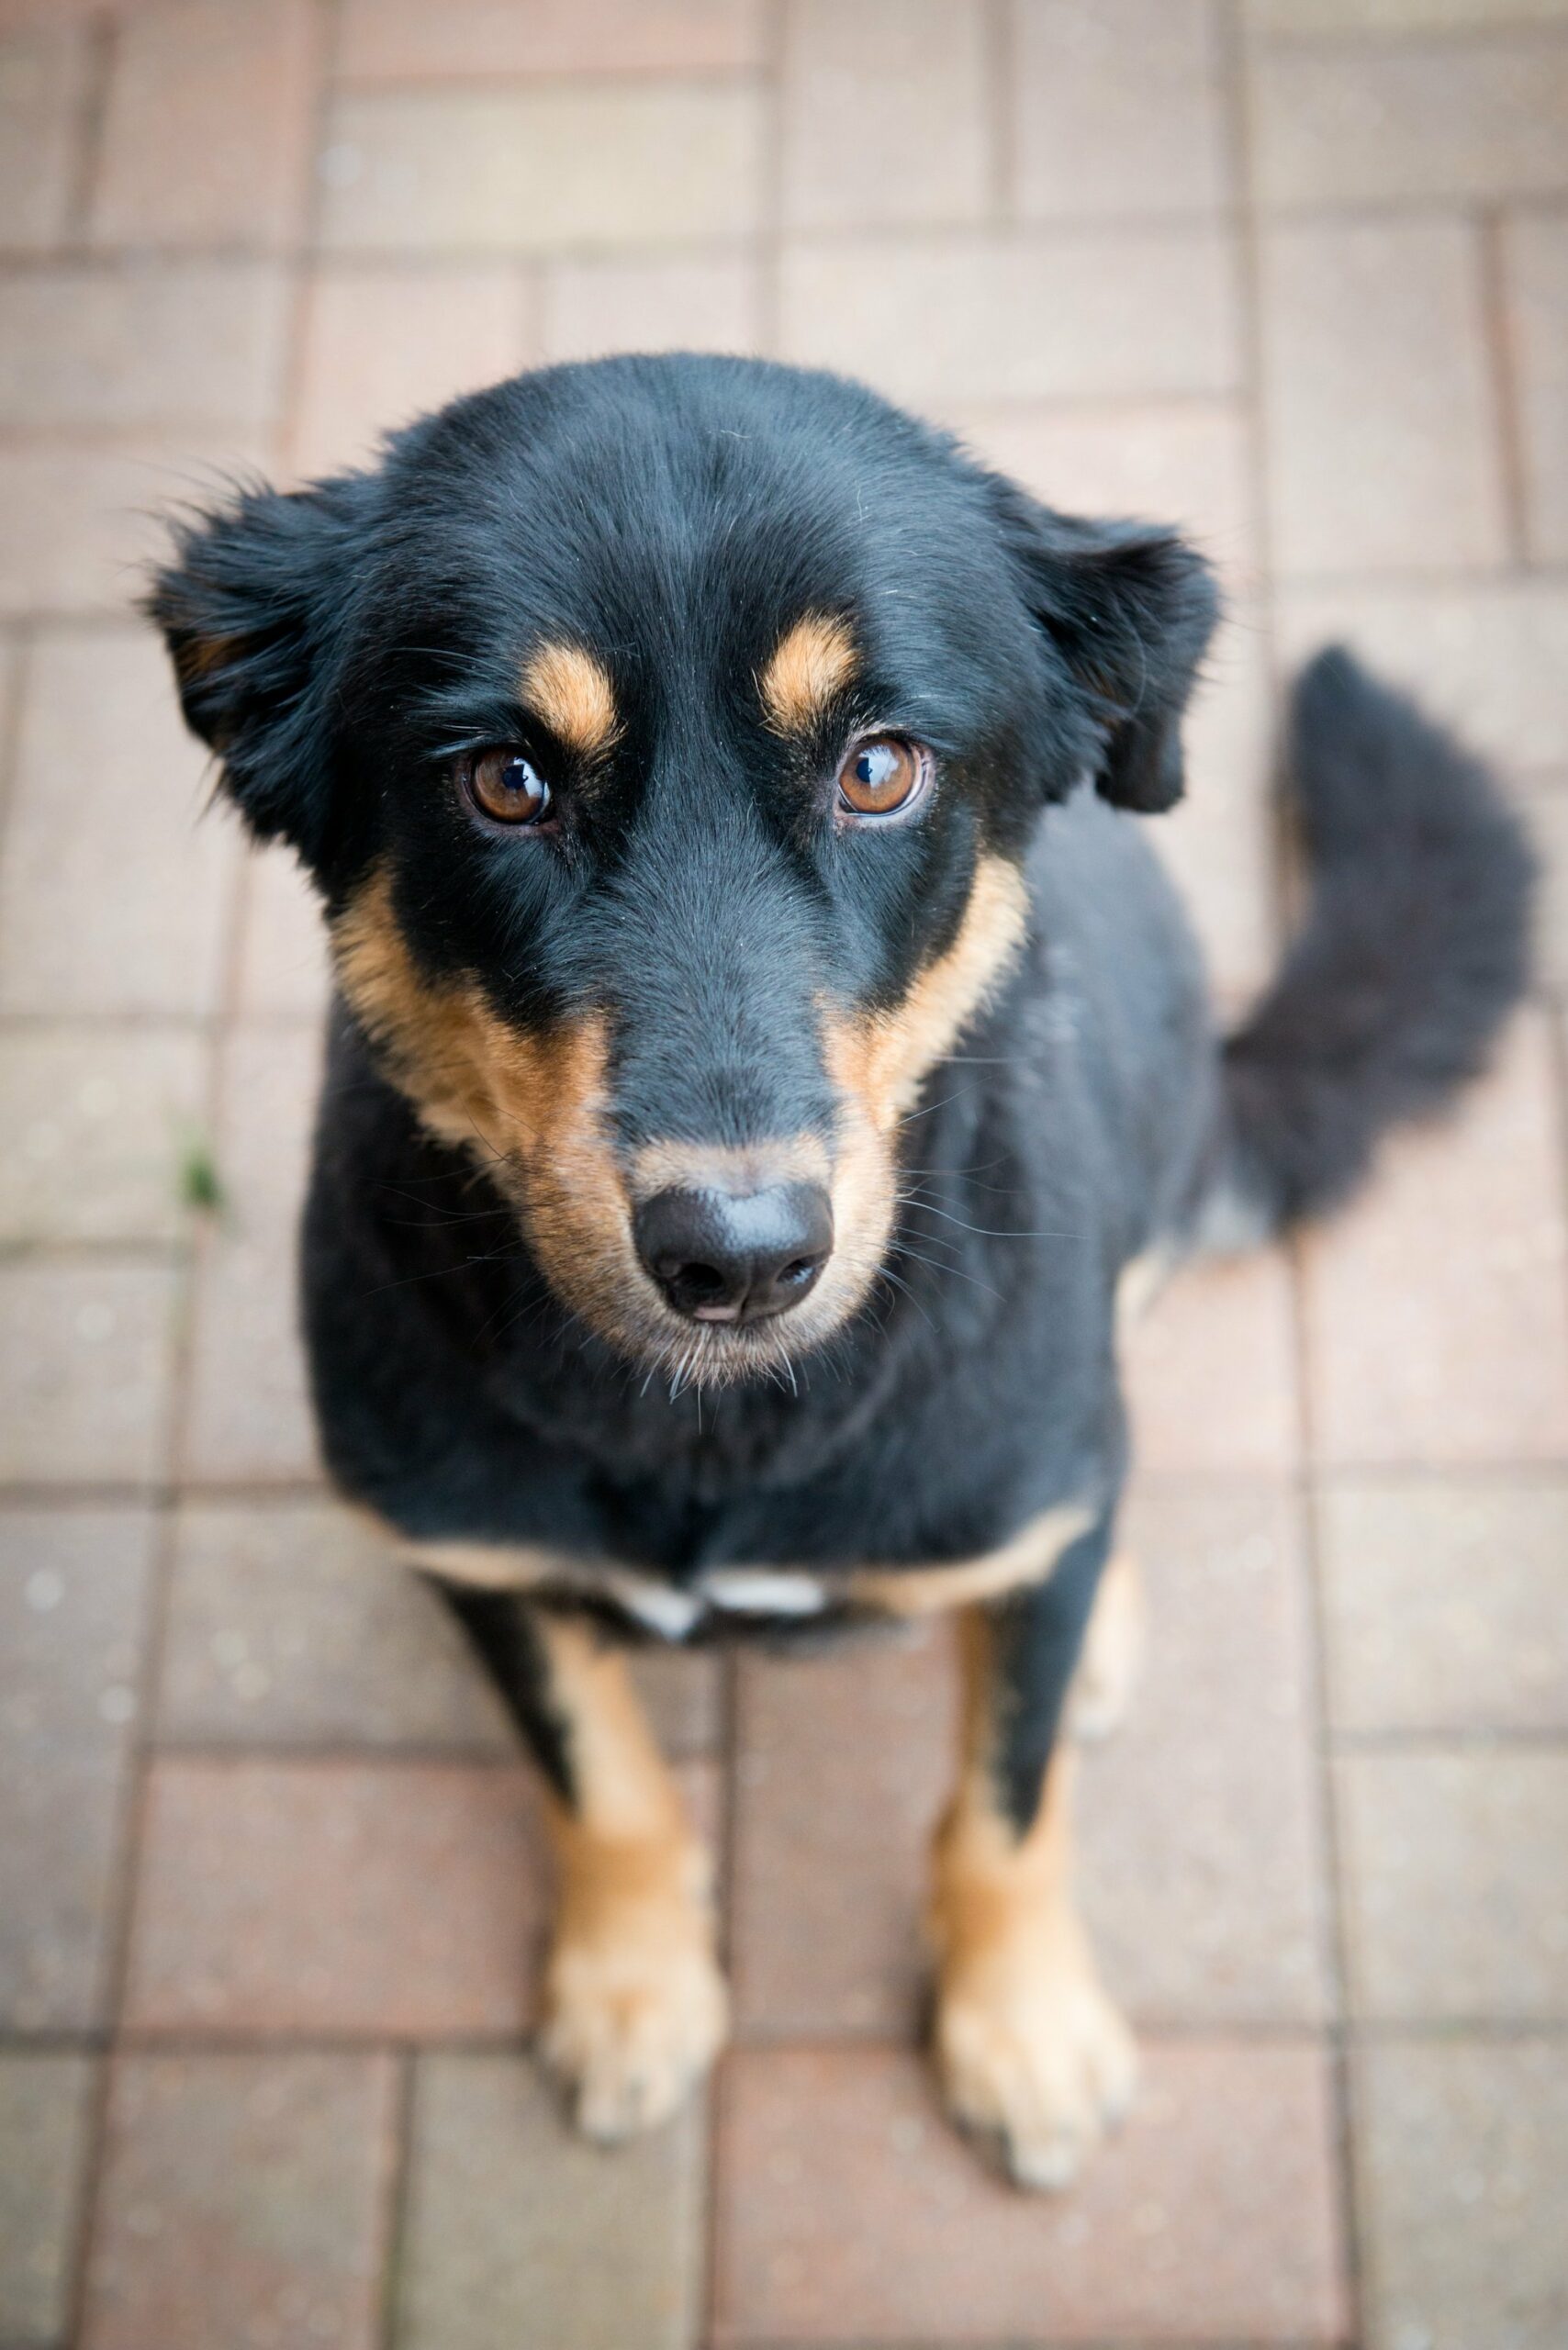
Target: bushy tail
x=1414 y=946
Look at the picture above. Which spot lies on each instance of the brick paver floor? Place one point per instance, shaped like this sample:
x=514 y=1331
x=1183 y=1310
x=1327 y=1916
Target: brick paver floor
x=1293 y=272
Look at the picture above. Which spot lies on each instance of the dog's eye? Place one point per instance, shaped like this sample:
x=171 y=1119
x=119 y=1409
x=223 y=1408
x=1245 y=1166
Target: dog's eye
x=882 y=776
x=505 y=785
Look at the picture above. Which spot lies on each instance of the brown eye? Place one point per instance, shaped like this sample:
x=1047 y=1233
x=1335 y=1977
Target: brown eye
x=881 y=775
x=506 y=787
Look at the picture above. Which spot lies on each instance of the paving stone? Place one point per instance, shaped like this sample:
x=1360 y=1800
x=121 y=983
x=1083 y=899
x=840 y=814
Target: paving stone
x=122 y=346
x=1135 y=313
x=1535 y=277
x=43 y=80
x=848 y=2209
x=531 y=170
x=1202 y=1856
x=383 y=346
x=682 y=1692
x=1454 y=1889
x=226 y=86
x=705 y=302
x=519 y=2230
x=93 y=1124
x=245 y=2200
x=1185 y=463
x=248 y=1415
x=1308 y=18
x=1462 y=2151
x=1491 y=660
x=83 y=524
x=295 y=1621
x=1116 y=107
x=400 y=39
x=843 y=1763
x=1384 y=448
x=44 y=2100
x=73 y=1588
x=353 y=1897
x=86 y=1372
x=1446 y=1603
x=1435 y=121
x=282 y=949
x=126 y=913
x=1209 y=1369
x=1544 y=807
x=1437 y=1310
x=884 y=112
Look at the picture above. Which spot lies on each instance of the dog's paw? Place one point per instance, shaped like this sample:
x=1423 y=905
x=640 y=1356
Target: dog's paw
x=636 y=2013
x=1032 y=2053
x=1113 y=1653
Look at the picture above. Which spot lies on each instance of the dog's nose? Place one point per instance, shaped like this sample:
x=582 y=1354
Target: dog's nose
x=735 y=1256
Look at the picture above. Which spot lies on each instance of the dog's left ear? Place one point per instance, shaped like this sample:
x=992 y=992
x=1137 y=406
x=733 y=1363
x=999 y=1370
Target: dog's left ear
x=1130 y=609
x=253 y=609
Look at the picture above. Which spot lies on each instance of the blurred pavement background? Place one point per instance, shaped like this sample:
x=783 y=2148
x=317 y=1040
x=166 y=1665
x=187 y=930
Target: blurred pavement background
x=1293 y=271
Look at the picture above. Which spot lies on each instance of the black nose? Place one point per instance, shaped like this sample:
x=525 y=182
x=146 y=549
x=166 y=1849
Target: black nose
x=734 y=1255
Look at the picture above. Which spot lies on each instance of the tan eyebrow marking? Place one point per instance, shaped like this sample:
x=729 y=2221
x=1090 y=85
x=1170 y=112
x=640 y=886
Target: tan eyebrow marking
x=810 y=662
x=567 y=689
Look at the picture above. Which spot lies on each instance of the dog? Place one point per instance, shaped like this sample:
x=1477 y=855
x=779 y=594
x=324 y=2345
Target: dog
x=765 y=1052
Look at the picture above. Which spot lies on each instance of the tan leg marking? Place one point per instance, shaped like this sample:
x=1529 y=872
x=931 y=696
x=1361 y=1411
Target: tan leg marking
x=1112 y=1651
x=1029 y=2047
x=635 y=2003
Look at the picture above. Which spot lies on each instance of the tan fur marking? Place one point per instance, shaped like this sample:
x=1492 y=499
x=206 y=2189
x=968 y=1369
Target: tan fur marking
x=201 y=656
x=534 y=1107
x=1029 y=2047
x=634 y=2004
x=533 y=1103
x=569 y=691
x=812 y=662
x=883 y=1061
x=1029 y=1557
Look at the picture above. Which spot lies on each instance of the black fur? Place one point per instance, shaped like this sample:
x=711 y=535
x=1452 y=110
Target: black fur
x=1413 y=949
x=340 y=647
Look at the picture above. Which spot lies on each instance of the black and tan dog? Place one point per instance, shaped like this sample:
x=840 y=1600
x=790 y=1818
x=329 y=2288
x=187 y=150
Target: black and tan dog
x=765 y=1050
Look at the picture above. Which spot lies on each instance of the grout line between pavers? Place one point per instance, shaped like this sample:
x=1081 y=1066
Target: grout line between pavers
x=766 y=245
x=1000 y=35
x=103 y=38
x=395 y=2201
x=1331 y=1927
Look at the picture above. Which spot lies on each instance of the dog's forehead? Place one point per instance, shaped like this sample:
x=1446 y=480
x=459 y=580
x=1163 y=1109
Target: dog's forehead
x=631 y=539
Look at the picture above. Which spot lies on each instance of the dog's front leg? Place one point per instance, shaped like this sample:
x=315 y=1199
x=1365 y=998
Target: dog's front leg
x=1029 y=2047
x=634 y=2005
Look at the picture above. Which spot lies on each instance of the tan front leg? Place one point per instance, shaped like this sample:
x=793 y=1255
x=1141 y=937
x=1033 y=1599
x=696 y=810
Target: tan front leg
x=634 y=2005
x=1029 y=2047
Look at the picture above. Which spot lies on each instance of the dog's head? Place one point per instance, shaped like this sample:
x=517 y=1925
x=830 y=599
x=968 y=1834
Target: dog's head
x=667 y=737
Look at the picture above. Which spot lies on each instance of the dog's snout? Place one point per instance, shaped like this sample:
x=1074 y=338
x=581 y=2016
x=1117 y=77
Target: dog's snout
x=735 y=1256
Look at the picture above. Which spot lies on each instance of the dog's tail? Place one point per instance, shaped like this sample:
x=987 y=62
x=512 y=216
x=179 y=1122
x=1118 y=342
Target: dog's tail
x=1413 y=947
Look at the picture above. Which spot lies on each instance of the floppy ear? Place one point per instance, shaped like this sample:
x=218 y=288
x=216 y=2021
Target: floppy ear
x=1130 y=607
x=253 y=609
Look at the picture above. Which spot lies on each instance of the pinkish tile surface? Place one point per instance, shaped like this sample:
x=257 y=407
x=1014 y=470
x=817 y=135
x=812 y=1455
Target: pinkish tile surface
x=1289 y=273
x=850 y=2212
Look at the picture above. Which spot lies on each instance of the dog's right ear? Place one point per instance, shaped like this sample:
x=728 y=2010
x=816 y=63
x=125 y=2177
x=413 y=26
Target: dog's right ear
x=253 y=611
